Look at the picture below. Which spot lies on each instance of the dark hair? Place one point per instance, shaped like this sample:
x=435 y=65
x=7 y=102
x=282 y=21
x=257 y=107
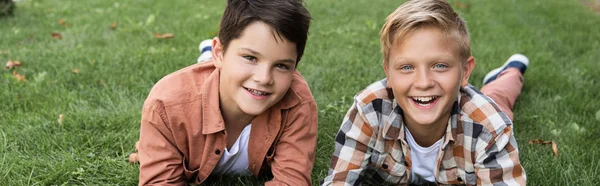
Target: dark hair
x=287 y=17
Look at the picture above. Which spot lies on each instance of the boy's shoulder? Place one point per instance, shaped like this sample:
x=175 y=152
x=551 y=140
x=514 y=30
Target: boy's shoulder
x=375 y=92
x=480 y=111
x=183 y=85
x=299 y=92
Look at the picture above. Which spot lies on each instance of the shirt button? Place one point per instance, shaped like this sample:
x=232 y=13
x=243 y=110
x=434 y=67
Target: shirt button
x=384 y=166
x=217 y=151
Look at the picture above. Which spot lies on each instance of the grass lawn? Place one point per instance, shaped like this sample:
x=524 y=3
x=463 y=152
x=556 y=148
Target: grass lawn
x=98 y=77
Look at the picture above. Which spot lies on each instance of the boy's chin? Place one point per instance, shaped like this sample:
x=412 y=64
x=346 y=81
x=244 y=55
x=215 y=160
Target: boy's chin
x=428 y=120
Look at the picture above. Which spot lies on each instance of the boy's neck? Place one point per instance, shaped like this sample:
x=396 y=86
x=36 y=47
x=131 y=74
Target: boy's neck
x=235 y=122
x=234 y=117
x=427 y=135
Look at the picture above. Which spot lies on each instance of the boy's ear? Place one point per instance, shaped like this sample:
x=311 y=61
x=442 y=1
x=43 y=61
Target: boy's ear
x=217 y=52
x=468 y=68
x=385 y=69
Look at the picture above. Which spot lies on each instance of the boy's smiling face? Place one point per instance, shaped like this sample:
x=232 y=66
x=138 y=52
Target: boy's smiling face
x=256 y=70
x=425 y=72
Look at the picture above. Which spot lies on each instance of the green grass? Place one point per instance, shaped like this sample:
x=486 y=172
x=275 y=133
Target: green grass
x=102 y=103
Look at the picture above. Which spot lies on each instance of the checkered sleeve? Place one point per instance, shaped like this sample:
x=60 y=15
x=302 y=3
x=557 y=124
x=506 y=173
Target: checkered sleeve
x=352 y=153
x=497 y=161
x=496 y=152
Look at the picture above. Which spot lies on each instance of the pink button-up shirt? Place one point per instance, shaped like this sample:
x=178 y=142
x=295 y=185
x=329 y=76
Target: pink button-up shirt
x=182 y=133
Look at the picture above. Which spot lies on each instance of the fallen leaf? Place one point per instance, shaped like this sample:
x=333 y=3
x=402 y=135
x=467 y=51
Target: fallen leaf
x=163 y=36
x=62 y=22
x=4 y=52
x=60 y=119
x=19 y=77
x=10 y=64
x=554 y=145
x=555 y=148
x=100 y=82
x=56 y=35
x=461 y=5
x=539 y=141
x=75 y=71
x=113 y=25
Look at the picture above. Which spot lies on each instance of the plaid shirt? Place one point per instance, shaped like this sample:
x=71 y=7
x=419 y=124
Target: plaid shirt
x=478 y=148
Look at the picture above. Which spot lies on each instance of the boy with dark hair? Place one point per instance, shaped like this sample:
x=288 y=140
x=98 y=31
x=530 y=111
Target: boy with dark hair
x=424 y=124
x=245 y=111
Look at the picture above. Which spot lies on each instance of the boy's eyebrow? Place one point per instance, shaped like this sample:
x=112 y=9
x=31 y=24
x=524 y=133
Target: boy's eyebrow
x=438 y=58
x=399 y=59
x=289 y=60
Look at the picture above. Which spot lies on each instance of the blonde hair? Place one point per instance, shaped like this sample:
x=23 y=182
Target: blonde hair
x=415 y=14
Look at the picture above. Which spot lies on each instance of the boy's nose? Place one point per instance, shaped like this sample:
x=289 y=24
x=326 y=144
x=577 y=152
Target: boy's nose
x=262 y=75
x=424 y=80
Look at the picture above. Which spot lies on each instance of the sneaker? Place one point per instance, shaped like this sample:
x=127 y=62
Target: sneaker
x=518 y=61
x=205 y=50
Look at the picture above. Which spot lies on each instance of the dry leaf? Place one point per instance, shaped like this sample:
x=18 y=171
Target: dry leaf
x=539 y=141
x=19 y=76
x=4 y=52
x=10 y=64
x=163 y=36
x=75 y=71
x=100 y=82
x=554 y=145
x=62 y=22
x=555 y=148
x=113 y=25
x=56 y=35
x=461 y=5
x=60 y=119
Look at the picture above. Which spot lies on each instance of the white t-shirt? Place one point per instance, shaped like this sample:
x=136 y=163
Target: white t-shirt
x=423 y=159
x=235 y=160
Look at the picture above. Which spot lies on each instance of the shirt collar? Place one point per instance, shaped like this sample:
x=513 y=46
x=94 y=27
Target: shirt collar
x=212 y=120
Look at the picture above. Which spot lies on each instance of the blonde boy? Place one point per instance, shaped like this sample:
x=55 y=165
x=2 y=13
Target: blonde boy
x=424 y=124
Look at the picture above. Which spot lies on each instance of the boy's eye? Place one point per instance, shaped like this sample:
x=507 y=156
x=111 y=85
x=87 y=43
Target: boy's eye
x=282 y=66
x=439 y=65
x=250 y=58
x=406 y=67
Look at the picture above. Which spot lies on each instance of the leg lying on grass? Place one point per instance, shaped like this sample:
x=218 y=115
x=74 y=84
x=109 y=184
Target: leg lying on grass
x=504 y=84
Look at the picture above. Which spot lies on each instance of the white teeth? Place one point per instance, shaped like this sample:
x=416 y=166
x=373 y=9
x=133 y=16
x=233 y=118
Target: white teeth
x=424 y=99
x=256 y=92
